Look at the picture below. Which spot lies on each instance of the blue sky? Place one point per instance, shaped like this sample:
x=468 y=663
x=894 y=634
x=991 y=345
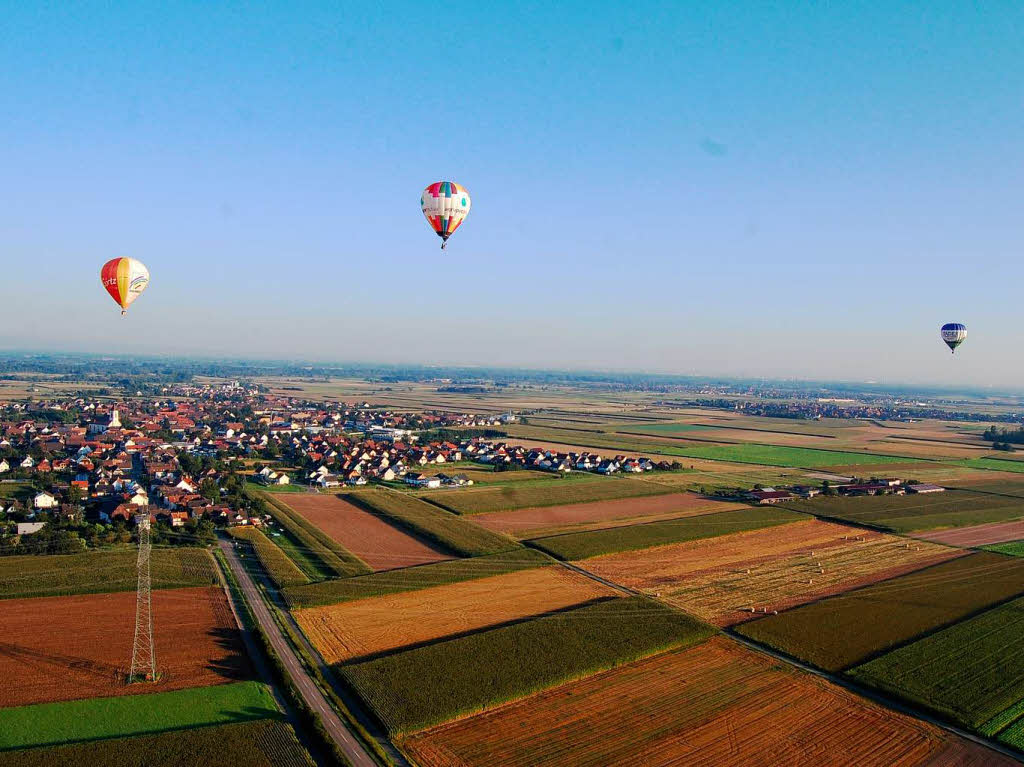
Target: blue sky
x=779 y=189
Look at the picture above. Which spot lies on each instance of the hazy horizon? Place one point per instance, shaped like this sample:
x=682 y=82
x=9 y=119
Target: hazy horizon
x=803 y=193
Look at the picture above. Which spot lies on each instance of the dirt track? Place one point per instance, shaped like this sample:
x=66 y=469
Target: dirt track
x=977 y=535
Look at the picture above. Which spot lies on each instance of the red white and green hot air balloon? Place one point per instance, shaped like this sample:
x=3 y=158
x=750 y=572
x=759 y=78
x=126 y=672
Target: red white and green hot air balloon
x=446 y=205
x=124 y=279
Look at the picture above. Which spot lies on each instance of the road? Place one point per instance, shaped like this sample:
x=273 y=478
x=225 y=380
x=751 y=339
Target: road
x=305 y=684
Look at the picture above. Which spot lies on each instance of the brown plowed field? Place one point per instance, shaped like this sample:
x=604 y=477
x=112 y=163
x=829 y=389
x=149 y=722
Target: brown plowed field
x=976 y=535
x=65 y=648
x=548 y=520
x=713 y=705
x=720 y=579
x=378 y=543
x=369 y=626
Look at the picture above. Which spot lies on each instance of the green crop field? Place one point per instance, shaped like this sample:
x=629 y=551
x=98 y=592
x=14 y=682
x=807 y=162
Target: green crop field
x=310 y=542
x=441 y=527
x=996 y=464
x=969 y=672
x=428 y=685
x=1014 y=549
x=102 y=571
x=572 y=546
x=77 y=720
x=905 y=513
x=265 y=743
x=255 y=486
x=1014 y=735
x=580 y=489
x=413 y=578
x=792 y=457
x=278 y=566
x=844 y=630
x=657 y=429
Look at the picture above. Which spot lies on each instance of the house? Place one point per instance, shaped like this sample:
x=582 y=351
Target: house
x=4 y=466
x=421 y=480
x=27 y=528
x=28 y=463
x=767 y=497
x=923 y=487
x=44 y=501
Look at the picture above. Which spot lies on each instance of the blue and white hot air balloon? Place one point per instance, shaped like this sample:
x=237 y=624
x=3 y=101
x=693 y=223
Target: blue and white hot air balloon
x=954 y=334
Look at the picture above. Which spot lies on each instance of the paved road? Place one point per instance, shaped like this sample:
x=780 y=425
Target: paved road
x=307 y=687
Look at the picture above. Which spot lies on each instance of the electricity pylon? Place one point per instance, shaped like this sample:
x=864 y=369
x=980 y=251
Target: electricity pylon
x=143 y=651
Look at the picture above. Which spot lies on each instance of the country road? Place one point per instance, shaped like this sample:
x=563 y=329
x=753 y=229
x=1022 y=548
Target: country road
x=307 y=687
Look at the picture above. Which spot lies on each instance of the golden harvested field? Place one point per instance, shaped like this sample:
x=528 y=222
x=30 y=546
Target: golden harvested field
x=367 y=627
x=721 y=579
x=548 y=520
x=713 y=705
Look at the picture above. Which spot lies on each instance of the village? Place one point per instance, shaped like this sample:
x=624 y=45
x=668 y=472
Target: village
x=76 y=473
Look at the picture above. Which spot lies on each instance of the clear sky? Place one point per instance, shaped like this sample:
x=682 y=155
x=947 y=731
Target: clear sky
x=779 y=189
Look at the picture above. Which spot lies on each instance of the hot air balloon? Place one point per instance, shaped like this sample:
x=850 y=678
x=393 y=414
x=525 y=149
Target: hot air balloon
x=446 y=205
x=954 y=334
x=124 y=279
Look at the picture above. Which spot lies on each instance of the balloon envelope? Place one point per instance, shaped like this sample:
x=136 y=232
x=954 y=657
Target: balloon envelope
x=124 y=279
x=954 y=334
x=445 y=205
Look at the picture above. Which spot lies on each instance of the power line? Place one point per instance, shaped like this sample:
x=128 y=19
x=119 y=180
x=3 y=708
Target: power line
x=143 y=667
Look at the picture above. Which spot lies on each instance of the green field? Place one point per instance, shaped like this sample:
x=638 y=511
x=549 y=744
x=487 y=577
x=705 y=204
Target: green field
x=418 y=688
x=1014 y=735
x=102 y=571
x=906 y=513
x=440 y=527
x=969 y=672
x=413 y=578
x=265 y=743
x=255 y=486
x=78 y=720
x=657 y=429
x=844 y=630
x=580 y=489
x=995 y=464
x=276 y=563
x=791 y=457
x=1014 y=549
x=309 y=542
x=572 y=546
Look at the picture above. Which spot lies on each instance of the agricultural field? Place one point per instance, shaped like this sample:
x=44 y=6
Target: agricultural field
x=723 y=580
x=69 y=721
x=368 y=627
x=550 y=520
x=969 y=672
x=578 y=489
x=441 y=528
x=716 y=704
x=197 y=644
x=842 y=631
x=1014 y=549
x=414 y=578
x=996 y=464
x=102 y=571
x=282 y=571
x=977 y=535
x=379 y=544
x=571 y=546
x=312 y=547
x=428 y=685
x=265 y=743
x=908 y=513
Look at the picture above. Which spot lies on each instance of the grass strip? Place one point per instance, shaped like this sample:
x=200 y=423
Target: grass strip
x=96 y=718
x=275 y=562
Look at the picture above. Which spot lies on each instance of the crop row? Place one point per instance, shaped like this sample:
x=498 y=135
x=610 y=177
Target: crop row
x=418 y=688
x=278 y=566
x=413 y=578
x=332 y=554
x=433 y=524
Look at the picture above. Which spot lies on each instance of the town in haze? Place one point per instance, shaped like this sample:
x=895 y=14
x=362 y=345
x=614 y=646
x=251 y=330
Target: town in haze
x=511 y=385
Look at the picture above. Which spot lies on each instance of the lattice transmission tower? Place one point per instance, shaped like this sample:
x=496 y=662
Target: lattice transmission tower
x=143 y=651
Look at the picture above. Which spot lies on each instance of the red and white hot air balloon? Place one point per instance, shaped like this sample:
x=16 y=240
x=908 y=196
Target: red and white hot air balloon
x=124 y=279
x=445 y=205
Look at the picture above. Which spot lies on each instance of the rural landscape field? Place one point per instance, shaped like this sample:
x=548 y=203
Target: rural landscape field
x=531 y=384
